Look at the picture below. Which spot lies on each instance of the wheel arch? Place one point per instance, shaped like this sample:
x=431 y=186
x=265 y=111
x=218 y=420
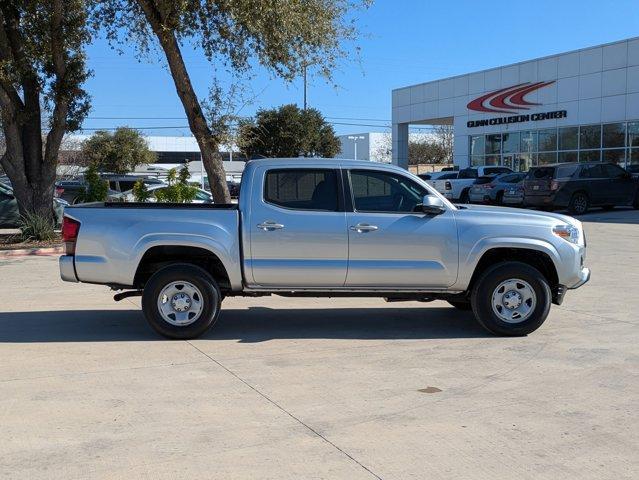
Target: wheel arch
x=540 y=254
x=159 y=256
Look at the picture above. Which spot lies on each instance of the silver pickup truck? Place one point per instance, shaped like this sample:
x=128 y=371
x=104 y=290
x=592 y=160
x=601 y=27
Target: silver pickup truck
x=326 y=228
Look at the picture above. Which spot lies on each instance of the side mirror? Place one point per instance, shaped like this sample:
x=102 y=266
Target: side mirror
x=432 y=205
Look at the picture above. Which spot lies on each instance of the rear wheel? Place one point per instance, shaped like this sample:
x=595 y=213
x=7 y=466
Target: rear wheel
x=579 y=203
x=511 y=299
x=635 y=203
x=181 y=301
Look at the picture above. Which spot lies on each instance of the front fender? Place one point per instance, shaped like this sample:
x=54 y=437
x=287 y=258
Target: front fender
x=469 y=257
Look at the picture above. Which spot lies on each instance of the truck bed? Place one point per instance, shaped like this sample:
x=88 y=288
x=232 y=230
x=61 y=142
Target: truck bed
x=156 y=205
x=114 y=237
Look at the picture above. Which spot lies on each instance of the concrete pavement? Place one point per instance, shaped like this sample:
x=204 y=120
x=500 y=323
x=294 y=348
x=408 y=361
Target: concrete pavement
x=322 y=388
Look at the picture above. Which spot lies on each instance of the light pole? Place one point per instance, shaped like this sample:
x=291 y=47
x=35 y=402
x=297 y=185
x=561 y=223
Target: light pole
x=355 y=138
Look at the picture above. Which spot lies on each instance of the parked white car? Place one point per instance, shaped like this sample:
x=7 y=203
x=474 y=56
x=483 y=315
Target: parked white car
x=457 y=189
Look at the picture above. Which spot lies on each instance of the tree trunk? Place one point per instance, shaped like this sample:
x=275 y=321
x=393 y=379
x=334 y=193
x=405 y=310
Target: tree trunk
x=208 y=144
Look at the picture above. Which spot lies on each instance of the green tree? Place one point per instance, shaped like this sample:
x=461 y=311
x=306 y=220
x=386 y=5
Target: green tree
x=428 y=151
x=288 y=131
x=283 y=36
x=118 y=152
x=42 y=70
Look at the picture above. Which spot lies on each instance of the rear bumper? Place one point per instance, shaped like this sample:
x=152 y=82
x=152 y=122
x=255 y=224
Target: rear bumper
x=512 y=200
x=67 y=269
x=539 y=200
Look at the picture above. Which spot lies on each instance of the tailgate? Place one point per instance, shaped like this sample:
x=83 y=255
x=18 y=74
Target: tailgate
x=537 y=187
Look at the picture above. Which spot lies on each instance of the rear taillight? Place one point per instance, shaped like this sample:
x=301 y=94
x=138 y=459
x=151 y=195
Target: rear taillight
x=554 y=185
x=58 y=192
x=448 y=186
x=70 y=230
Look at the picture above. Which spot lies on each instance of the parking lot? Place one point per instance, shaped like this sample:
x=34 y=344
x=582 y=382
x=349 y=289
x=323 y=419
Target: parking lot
x=322 y=388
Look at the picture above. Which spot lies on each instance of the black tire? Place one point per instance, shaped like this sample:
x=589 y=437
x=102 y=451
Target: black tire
x=635 y=203
x=202 y=280
x=461 y=304
x=464 y=198
x=579 y=203
x=499 y=198
x=489 y=281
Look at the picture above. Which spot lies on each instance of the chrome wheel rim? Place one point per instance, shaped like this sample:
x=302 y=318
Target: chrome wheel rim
x=180 y=303
x=514 y=300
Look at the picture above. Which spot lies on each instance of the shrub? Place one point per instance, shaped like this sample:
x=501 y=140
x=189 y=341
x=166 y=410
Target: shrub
x=141 y=192
x=34 y=227
x=178 y=189
x=96 y=189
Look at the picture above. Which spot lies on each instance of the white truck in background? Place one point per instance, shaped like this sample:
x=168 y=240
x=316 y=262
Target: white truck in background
x=456 y=189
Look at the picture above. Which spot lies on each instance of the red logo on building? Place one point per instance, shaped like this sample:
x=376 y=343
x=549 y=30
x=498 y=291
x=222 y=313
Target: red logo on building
x=507 y=100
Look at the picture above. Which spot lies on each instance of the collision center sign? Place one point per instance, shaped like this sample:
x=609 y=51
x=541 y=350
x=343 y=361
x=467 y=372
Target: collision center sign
x=511 y=100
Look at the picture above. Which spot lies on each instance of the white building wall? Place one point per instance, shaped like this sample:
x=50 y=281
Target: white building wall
x=594 y=85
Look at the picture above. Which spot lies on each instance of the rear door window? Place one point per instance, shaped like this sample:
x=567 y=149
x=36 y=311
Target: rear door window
x=302 y=189
x=613 y=171
x=591 y=171
x=566 y=171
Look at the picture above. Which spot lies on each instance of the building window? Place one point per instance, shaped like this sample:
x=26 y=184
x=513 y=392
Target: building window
x=568 y=138
x=477 y=160
x=614 y=135
x=547 y=158
x=477 y=145
x=618 y=156
x=510 y=142
x=493 y=144
x=547 y=140
x=568 y=156
x=589 y=137
x=491 y=160
x=633 y=134
x=528 y=142
x=589 y=155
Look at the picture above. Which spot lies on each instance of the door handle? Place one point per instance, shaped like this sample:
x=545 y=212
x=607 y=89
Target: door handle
x=270 y=226
x=363 y=227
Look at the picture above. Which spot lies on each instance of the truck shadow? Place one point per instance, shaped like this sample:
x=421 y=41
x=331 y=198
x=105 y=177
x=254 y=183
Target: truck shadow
x=257 y=324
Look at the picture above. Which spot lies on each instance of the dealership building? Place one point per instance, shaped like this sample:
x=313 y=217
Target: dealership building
x=576 y=106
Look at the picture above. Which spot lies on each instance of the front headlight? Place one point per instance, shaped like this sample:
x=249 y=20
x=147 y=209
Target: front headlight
x=570 y=233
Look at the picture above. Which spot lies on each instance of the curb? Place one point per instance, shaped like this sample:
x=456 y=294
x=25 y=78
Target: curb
x=24 y=252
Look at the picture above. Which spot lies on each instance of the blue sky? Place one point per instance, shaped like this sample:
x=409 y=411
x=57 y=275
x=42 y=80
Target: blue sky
x=403 y=42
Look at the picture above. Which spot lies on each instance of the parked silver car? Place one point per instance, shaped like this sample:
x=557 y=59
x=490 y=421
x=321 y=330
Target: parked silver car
x=327 y=227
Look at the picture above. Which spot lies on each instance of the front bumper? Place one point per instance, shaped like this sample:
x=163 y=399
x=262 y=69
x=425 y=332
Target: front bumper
x=584 y=276
x=67 y=269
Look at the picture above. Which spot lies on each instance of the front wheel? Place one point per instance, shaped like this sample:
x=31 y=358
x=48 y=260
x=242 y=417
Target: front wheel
x=181 y=301
x=465 y=197
x=511 y=299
